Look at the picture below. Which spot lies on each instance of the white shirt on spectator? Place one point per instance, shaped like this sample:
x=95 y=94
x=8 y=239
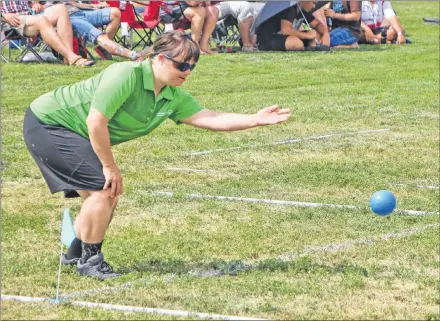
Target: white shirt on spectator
x=373 y=16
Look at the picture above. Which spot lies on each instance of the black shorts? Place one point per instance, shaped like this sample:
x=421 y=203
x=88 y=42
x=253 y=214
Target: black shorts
x=274 y=42
x=66 y=160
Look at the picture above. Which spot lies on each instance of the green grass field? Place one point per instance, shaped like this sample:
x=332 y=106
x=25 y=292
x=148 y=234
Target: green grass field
x=252 y=259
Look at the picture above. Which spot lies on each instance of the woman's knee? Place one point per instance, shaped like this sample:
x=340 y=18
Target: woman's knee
x=43 y=23
x=294 y=44
x=56 y=12
x=100 y=195
x=103 y=200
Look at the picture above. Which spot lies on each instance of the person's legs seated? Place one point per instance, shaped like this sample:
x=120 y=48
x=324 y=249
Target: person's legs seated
x=342 y=38
x=293 y=43
x=110 y=17
x=391 y=34
x=115 y=22
x=322 y=32
x=320 y=16
x=39 y=24
x=103 y=17
x=96 y=36
x=277 y=42
x=196 y=15
x=211 y=19
x=58 y=15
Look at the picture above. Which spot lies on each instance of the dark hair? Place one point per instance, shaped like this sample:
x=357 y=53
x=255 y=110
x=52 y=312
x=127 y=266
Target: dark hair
x=173 y=44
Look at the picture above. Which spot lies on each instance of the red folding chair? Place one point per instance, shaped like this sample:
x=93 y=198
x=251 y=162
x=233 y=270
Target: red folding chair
x=151 y=15
x=181 y=23
x=143 y=27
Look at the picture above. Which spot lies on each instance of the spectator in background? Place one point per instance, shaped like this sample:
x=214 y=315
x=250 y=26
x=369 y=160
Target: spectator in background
x=211 y=18
x=176 y=14
x=346 y=23
x=199 y=14
x=17 y=14
x=87 y=18
x=380 y=24
x=243 y=12
x=279 y=34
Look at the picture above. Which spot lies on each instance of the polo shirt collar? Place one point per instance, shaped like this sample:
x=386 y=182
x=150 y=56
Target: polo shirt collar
x=147 y=74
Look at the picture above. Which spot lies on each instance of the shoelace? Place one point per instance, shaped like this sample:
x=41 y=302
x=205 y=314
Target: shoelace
x=106 y=268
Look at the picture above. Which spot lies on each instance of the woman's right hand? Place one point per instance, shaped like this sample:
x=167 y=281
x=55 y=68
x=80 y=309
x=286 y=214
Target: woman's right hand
x=113 y=180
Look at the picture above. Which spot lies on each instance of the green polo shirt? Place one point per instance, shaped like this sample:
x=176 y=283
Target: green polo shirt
x=123 y=92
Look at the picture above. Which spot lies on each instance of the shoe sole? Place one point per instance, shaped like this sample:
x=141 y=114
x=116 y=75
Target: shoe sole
x=65 y=261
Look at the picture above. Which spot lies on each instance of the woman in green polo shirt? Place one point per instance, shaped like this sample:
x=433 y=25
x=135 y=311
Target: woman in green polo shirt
x=69 y=133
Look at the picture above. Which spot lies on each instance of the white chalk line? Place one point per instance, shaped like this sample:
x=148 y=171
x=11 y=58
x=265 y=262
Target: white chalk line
x=369 y=240
x=419 y=186
x=289 y=203
x=128 y=308
x=100 y=290
x=143 y=281
x=290 y=141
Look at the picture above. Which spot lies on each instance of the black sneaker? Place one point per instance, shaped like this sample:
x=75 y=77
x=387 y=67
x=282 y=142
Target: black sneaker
x=104 y=54
x=96 y=267
x=66 y=261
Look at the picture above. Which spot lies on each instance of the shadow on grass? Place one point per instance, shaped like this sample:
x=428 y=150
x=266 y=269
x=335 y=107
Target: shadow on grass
x=237 y=267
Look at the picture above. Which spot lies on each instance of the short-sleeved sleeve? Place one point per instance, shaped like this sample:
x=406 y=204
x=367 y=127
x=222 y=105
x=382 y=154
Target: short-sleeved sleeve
x=188 y=106
x=289 y=14
x=115 y=86
x=388 y=11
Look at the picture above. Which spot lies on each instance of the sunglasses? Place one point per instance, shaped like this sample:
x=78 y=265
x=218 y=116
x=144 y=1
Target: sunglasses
x=181 y=66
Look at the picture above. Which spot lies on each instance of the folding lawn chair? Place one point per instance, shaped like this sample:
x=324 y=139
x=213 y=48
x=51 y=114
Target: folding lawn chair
x=79 y=47
x=226 y=32
x=175 y=11
x=141 y=28
x=11 y=38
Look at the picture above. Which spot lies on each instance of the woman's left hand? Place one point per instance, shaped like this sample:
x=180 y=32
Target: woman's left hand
x=272 y=115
